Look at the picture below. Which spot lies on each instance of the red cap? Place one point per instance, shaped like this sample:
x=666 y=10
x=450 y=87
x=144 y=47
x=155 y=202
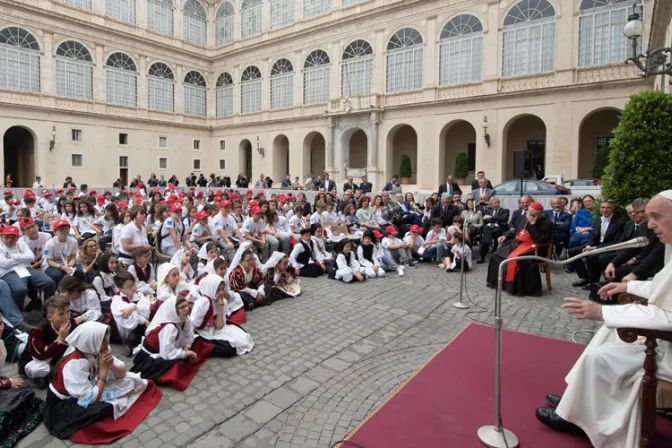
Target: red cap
x=122 y=204
x=175 y=208
x=254 y=203
x=260 y=193
x=282 y=198
x=71 y=189
x=377 y=234
x=255 y=210
x=16 y=202
x=140 y=185
x=11 y=230
x=537 y=206
x=216 y=199
x=26 y=222
x=9 y=192
x=100 y=199
x=93 y=193
x=219 y=192
x=416 y=228
x=60 y=223
x=164 y=202
x=28 y=194
x=248 y=193
x=171 y=186
x=59 y=190
x=137 y=194
x=48 y=194
x=225 y=203
x=201 y=215
x=156 y=190
x=391 y=230
x=172 y=197
x=181 y=195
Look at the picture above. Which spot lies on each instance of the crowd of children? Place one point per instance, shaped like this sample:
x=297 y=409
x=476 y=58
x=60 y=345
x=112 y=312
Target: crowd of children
x=169 y=276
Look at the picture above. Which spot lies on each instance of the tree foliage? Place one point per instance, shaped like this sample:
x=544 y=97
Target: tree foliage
x=601 y=162
x=461 y=166
x=405 y=169
x=639 y=158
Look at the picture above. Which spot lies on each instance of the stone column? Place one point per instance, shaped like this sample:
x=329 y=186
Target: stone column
x=99 y=7
x=491 y=58
x=211 y=98
x=329 y=149
x=99 y=83
x=237 y=27
x=565 y=55
x=212 y=27
x=297 y=79
x=236 y=90
x=179 y=90
x=142 y=82
x=430 y=60
x=298 y=10
x=264 y=67
x=335 y=72
x=374 y=173
x=178 y=19
x=48 y=66
x=265 y=16
x=379 y=53
x=141 y=14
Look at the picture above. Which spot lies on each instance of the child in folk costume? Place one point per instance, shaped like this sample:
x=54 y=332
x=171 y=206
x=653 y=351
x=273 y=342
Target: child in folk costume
x=367 y=255
x=245 y=277
x=209 y=319
x=304 y=259
x=84 y=300
x=235 y=309
x=91 y=390
x=170 y=354
x=207 y=253
x=46 y=344
x=130 y=310
x=281 y=281
x=104 y=281
x=170 y=283
x=143 y=271
x=182 y=259
x=347 y=266
x=458 y=251
x=319 y=244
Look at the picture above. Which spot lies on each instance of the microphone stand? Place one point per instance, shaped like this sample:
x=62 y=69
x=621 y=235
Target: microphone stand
x=495 y=436
x=463 y=279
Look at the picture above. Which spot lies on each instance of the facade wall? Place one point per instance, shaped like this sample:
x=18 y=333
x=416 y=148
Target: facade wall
x=561 y=98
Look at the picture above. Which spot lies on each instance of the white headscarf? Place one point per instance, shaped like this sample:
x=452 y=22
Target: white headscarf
x=176 y=259
x=163 y=272
x=209 y=284
x=87 y=338
x=236 y=260
x=273 y=261
x=203 y=252
x=167 y=314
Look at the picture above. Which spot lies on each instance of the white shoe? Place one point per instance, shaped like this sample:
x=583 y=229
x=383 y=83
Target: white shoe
x=400 y=271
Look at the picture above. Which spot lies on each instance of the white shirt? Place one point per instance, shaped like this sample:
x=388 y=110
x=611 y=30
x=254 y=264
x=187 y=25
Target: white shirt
x=37 y=246
x=137 y=317
x=604 y=227
x=59 y=252
x=297 y=223
x=418 y=239
x=87 y=306
x=19 y=256
x=166 y=240
x=83 y=224
x=432 y=235
x=38 y=185
x=255 y=229
x=137 y=236
x=226 y=223
x=281 y=225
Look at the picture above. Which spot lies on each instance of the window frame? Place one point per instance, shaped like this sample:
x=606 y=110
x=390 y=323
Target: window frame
x=73 y=158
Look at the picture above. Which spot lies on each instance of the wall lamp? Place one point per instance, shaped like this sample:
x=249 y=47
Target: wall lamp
x=654 y=62
x=52 y=143
x=486 y=136
x=260 y=150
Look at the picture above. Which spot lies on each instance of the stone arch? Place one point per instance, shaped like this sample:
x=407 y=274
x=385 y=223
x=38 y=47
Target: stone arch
x=595 y=131
x=280 y=160
x=524 y=132
x=314 y=154
x=245 y=159
x=455 y=137
x=354 y=148
x=402 y=139
x=19 y=143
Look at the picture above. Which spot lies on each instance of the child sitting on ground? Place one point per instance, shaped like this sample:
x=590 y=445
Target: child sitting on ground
x=84 y=301
x=143 y=271
x=207 y=253
x=458 y=251
x=397 y=249
x=347 y=266
x=368 y=256
x=130 y=310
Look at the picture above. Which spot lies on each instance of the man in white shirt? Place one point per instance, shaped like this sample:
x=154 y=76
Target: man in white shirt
x=16 y=266
x=255 y=230
x=38 y=183
x=224 y=227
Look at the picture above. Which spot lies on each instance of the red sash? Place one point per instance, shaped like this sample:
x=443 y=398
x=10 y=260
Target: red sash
x=525 y=245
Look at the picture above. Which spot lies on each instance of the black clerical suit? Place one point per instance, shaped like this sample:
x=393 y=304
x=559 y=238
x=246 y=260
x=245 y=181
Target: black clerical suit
x=528 y=279
x=588 y=268
x=648 y=260
x=493 y=227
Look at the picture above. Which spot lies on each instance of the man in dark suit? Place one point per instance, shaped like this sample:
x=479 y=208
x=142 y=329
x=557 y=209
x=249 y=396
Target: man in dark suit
x=393 y=185
x=327 y=183
x=444 y=210
x=366 y=186
x=495 y=223
x=475 y=184
x=523 y=203
x=606 y=231
x=562 y=225
x=350 y=185
x=638 y=263
x=482 y=189
x=449 y=187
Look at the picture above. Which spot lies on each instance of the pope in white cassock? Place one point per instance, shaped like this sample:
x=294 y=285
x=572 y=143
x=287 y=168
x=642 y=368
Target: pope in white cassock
x=603 y=388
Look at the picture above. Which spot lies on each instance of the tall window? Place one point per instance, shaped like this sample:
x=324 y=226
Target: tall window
x=121 y=10
x=404 y=61
x=316 y=78
x=19 y=60
x=460 y=51
x=250 y=18
x=161 y=87
x=282 y=13
x=345 y=3
x=314 y=8
x=224 y=95
x=195 y=93
x=74 y=71
x=160 y=16
x=122 y=80
x=83 y=4
x=282 y=80
x=529 y=38
x=195 y=23
x=357 y=69
x=225 y=20
x=250 y=90
x=601 y=39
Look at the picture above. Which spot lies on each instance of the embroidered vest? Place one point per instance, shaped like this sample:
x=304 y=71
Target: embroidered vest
x=151 y=342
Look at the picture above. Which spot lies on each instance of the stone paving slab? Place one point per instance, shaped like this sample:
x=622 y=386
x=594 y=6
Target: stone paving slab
x=326 y=359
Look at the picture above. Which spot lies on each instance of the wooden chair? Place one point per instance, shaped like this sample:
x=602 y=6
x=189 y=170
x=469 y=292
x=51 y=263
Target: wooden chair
x=655 y=393
x=546 y=251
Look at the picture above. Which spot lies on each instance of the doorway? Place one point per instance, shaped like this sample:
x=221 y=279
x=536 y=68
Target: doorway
x=123 y=169
x=19 y=156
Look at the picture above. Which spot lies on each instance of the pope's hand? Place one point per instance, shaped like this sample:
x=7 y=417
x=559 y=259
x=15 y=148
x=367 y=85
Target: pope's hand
x=583 y=309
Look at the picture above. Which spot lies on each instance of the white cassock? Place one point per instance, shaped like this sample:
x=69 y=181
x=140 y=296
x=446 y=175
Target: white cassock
x=603 y=388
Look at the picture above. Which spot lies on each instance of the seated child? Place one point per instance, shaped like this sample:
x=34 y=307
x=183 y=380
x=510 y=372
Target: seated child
x=367 y=255
x=91 y=390
x=46 y=344
x=84 y=301
x=209 y=319
x=130 y=310
x=170 y=283
x=396 y=248
x=143 y=271
x=281 y=281
x=305 y=260
x=245 y=277
x=60 y=253
x=347 y=266
x=458 y=252
x=182 y=259
x=170 y=354
x=207 y=252
x=104 y=281
x=414 y=238
x=235 y=309
x=432 y=248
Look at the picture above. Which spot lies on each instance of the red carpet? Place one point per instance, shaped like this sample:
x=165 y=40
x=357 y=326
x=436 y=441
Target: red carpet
x=451 y=396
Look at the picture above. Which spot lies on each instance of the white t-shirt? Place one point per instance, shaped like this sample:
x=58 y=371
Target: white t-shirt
x=297 y=223
x=37 y=246
x=256 y=229
x=199 y=231
x=281 y=225
x=59 y=252
x=83 y=224
x=436 y=237
x=137 y=236
x=418 y=239
x=226 y=223
x=166 y=240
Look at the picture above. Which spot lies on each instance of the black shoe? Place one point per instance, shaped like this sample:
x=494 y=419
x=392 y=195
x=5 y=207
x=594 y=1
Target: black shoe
x=33 y=305
x=409 y=264
x=480 y=260
x=128 y=350
x=592 y=287
x=550 y=418
x=553 y=400
x=581 y=282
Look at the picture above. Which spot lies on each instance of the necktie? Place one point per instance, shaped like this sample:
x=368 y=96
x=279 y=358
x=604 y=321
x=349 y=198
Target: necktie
x=603 y=229
x=524 y=212
x=556 y=217
x=636 y=227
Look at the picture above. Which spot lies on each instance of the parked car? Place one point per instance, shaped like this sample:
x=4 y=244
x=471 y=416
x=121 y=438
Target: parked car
x=530 y=187
x=579 y=187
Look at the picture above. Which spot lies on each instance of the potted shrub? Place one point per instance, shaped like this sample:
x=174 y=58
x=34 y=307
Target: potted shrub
x=405 y=169
x=461 y=167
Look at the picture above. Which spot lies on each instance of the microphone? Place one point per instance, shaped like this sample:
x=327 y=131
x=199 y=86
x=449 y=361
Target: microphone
x=634 y=243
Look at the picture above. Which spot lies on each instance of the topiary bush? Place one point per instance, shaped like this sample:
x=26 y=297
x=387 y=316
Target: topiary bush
x=405 y=169
x=461 y=166
x=601 y=162
x=639 y=156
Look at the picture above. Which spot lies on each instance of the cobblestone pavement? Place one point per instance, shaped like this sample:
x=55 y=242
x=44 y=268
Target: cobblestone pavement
x=326 y=359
